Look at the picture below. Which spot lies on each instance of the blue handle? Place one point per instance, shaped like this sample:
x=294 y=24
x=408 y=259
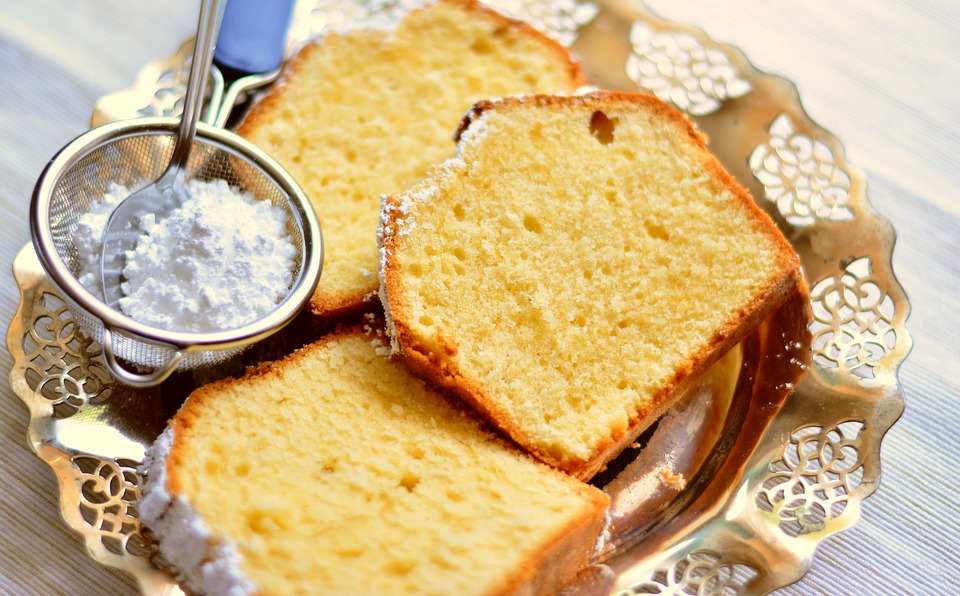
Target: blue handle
x=253 y=36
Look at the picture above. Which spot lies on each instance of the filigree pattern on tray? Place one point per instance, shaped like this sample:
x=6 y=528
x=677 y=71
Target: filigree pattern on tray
x=814 y=480
x=109 y=491
x=62 y=364
x=679 y=68
x=158 y=91
x=60 y=375
x=561 y=19
x=801 y=176
x=813 y=464
x=700 y=572
x=311 y=18
x=853 y=320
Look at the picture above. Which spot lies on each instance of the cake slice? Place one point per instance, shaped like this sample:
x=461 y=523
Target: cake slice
x=336 y=471
x=578 y=262
x=364 y=112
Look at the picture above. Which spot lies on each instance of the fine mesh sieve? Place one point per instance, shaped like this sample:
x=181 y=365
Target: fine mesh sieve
x=133 y=154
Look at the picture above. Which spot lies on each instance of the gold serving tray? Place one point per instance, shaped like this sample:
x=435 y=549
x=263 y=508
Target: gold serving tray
x=788 y=465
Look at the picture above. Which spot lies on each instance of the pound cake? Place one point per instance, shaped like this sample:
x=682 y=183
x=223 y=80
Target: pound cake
x=336 y=471
x=364 y=112
x=580 y=261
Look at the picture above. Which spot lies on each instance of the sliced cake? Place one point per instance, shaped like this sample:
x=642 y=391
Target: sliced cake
x=336 y=471
x=364 y=112
x=579 y=261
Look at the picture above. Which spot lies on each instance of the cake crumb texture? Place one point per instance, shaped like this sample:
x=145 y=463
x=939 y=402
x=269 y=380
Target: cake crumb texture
x=581 y=259
x=336 y=471
x=365 y=112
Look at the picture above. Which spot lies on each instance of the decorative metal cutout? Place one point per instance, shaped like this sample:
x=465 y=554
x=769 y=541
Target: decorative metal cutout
x=168 y=98
x=700 y=572
x=62 y=364
x=801 y=175
x=158 y=91
x=109 y=491
x=561 y=19
x=853 y=320
x=311 y=18
x=813 y=481
x=679 y=68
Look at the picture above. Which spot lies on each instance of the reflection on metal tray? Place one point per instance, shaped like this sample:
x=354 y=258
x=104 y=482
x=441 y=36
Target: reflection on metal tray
x=789 y=465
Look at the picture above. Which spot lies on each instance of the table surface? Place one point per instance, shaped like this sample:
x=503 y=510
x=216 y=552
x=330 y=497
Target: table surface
x=880 y=74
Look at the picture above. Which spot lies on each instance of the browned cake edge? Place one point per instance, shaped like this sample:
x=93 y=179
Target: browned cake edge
x=553 y=563
x=428 y=363
x=334 y=306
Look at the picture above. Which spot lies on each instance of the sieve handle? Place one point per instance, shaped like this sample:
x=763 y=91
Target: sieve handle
x=133 y=378
x=253 y=36
x=250 y=51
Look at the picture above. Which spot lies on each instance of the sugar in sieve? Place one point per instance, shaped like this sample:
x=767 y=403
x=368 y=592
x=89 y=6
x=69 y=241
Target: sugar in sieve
x=134 y=153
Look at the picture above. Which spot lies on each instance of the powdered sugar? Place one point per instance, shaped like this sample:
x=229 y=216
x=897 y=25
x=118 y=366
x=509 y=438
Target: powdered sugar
x=395 y=219
x=220 y=260
x=474 y=132
x=87 y=236
x=208 y=566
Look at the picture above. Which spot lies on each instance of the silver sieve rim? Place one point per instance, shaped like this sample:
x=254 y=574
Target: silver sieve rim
x=41 y=233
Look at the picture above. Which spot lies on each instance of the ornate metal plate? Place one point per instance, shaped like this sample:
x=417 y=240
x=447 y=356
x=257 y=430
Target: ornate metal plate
x=753 y=523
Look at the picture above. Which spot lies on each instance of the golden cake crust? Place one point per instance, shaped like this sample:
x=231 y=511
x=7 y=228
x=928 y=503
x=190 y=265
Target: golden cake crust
x=259 y=125
x=434 y=356
x=544 y=568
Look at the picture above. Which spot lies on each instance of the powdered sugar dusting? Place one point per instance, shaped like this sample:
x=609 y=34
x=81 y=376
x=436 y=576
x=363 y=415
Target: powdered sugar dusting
x=395 y=213
x=474 y=133
x=377 y=335
x=206 y=564
x=383 y=230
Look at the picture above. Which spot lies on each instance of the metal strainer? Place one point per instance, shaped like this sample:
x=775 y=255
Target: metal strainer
x=133 y=153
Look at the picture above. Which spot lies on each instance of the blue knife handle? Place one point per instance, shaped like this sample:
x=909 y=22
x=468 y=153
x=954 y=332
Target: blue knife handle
x=253 y=35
